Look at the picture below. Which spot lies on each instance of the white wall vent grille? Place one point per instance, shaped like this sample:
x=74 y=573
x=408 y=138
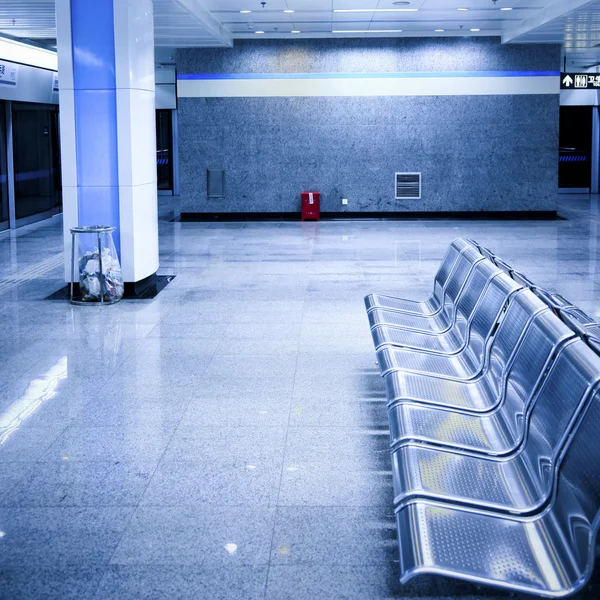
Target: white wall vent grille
x=408 y=186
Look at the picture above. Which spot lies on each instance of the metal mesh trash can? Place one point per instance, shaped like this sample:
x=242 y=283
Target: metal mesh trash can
x=99 y=271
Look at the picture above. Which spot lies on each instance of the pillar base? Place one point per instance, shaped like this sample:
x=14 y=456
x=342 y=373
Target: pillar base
x=146 y=289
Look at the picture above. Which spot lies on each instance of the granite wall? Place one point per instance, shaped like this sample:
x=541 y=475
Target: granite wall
x=475 y=152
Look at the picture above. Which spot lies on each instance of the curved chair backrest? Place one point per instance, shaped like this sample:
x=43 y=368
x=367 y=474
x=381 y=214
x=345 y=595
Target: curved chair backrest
x=575 y=510
x=458 y=278
x=455 y=249
x=506 y=340
x=482 y=250
x=531 y=362
x=492 y=303
x=554 y=301
x=503 y=265
x=522 y=279
x=562 y=301
x=561 y=398
x=477 y=282
x=581 y=323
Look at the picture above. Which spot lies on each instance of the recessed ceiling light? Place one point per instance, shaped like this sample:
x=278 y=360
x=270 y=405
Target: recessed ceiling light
x=439 y=30
x=373 y=10
x=245 y=12
x=462 y=9
x=296 y=31
x=367 y=31
x=259 y=32
x=475 y=29
x=506 y=8
x=288 y=10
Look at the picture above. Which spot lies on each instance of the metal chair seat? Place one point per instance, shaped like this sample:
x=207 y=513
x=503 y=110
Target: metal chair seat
x=423 y=308
x=521 y=556
x=550 y=553
x=522 y=481
x=500 y=430
x=456 y=338
x=505 y=486
x=474 y=396
x=434 y=303
x=470 y=361
x=482 y=394
x=442 y=320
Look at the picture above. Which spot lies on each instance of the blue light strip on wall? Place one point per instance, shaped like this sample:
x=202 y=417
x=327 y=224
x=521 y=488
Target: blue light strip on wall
x=92 y=32
x=398 y=75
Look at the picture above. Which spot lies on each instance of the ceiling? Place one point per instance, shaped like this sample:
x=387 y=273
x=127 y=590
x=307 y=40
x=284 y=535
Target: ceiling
x=177 y=23
x=318 y=18
x=206 y=23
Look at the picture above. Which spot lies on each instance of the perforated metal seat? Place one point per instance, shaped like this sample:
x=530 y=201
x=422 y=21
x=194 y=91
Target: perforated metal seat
x=520 y=481
x=501 y=429
x=550 y=554
x=456 y=338
x=435 y=302
x=470 y=361
x=441 y=321
x=477 y=396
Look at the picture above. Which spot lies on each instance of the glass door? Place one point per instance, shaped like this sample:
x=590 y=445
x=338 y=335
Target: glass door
x=575 y=157
x=36 y=159
x=4 y=217
x=164 y=149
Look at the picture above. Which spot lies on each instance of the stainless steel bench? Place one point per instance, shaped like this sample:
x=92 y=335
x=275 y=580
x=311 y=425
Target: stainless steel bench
x=454 y=339
x=470 y=361
x=494 y=410
x=521 y=480
x=550 y=553
x=507 y=394
x=441 y=321
x=435 y=302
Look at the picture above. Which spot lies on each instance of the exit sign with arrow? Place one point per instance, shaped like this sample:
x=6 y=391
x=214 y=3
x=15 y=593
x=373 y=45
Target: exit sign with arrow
x=579 y=81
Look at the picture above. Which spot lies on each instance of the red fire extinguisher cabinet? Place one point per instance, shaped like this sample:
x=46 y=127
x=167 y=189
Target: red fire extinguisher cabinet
x=311 y=206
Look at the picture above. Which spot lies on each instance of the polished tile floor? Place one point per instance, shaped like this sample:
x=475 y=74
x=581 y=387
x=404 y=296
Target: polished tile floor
x=227 y=439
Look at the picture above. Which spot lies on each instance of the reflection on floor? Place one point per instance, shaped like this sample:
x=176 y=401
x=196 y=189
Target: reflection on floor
x=227 y=439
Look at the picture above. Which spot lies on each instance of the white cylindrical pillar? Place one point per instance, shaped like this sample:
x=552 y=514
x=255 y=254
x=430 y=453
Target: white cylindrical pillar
x=108 y=131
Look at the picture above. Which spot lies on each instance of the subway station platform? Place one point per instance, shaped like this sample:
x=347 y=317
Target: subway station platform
x=229 y=438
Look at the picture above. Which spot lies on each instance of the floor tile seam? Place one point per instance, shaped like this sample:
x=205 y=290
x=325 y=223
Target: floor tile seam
x=247 y=506
x=46 y=451
x=158 y=463
x=281 y=473
x=209 y=565
x=7 y=493
x=217 y=348
x=5 y=506
x=384 y=562
x=136 y=507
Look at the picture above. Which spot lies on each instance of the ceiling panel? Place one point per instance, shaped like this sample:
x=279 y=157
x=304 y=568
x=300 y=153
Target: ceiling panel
x=412 y=18
x=177 y=25
x=174 y=25
x=27 y=19
x=576 y=29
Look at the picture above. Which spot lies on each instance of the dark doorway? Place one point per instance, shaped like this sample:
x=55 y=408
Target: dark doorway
x=575 y=140
x=164 y=149
x=36 y=159
x=4 y=215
